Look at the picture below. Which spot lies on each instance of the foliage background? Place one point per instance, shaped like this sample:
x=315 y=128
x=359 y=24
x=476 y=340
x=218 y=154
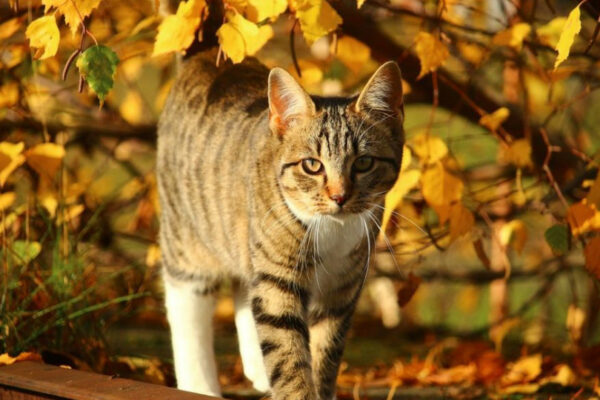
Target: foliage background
x=491 y=242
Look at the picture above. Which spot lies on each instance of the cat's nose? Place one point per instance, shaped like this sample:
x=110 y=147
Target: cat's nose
x=339 y=198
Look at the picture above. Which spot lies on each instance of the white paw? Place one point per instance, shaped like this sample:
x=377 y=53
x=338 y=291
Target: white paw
x=258 y=376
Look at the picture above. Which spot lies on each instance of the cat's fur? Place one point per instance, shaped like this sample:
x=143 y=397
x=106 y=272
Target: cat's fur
x=236 y=203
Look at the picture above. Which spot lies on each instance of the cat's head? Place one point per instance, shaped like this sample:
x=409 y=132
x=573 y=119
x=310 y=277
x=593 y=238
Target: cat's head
x=337 y=156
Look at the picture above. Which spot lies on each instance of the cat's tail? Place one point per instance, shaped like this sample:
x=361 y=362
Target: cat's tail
x=209 y=27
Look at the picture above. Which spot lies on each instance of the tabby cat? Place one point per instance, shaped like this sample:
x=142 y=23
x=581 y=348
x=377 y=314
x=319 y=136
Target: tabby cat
x=281 y=192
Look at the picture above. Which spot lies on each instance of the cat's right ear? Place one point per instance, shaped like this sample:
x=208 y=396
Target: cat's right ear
x=288 y=102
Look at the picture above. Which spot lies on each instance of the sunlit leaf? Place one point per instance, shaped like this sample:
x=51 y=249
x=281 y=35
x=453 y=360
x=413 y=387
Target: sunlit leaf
x=513 y=36
x=73 y=10
x=8 y=28
x=177 y=32
x=494 y=120
x=524 y=370
x=353 y=53
x=240 y=37
x=6 y=200
x=462 y=221
x=431 y=51
x=260 y=10
x=567 y=37
x=441 y=189
x=9 y=94
x=10 y=159
x=407 y=180
x=429 y=148
x=311 y=73
x=98 y=65
x=514 y=233
x=45 y=159
x=6 y=359
x=317 y=18
x=574 y=322
x=43 y=34
x=21 y=252
x=583 y=217
x=550 y=33
x=517 y=153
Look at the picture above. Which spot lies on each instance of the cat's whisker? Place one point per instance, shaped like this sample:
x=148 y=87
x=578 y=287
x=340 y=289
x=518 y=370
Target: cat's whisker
x=366 y=267
x=397 y=213
x=385 y=238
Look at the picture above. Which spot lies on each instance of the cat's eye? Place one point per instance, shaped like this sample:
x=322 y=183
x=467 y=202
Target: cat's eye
x=312 y=166
x=363 y=164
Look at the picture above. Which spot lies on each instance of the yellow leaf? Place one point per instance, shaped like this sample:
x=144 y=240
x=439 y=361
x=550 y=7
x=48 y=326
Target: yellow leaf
x=317 y=18
x=239 y=5
x=10 y=159
x=352 y=53
x=583 y=217
x=517 y=153
x=176 y=32
x=49 y=201
x=9 y=94
x=406 y=158
x=43 y=34
x=592 y=256
x=259 y=10
x=45 y=159
x=494 y=120
x=70 y=213
x=5 y=359
x=73 y=10
x=513 y=36
x=406 y=181
x=431 y=51
x=240 y=37
x=550 y=32
x=461 y=221
x=131 y=108
x=8 y=28
x=429 y=148
x=7 y=200
x=563 y=376
x=575 y=320
x=359 y=3
x=152 y=255
x=567 y=37
x=441 y=189
x=523 y=371
x=311 y=73
x=515 y=233
x=471 y=52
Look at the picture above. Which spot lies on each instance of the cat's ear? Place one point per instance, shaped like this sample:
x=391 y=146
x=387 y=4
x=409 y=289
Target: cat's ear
x=287 y=101
x=383 y=92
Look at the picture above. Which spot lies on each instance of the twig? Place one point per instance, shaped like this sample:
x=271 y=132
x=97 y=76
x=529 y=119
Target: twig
x=293 y=48
x=552 y=149
x=594 y=36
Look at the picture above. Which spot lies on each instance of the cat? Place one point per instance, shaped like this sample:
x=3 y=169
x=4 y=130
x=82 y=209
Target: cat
x=283 y=193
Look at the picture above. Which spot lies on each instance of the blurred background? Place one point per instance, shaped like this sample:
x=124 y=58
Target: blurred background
x=485 y=277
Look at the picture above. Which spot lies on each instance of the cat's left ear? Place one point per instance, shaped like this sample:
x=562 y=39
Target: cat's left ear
x=288 y=102
x=383 y=92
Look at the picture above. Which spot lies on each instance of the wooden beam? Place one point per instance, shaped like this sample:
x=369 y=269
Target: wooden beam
x=31 y=380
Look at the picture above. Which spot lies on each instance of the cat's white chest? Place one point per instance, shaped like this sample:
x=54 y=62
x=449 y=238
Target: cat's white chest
x=335 y=238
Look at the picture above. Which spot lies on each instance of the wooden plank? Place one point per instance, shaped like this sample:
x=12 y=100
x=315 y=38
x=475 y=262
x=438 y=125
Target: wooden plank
x=50 y=382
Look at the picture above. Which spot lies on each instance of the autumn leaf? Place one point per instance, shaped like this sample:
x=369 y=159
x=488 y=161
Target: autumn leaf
x=74 y=11
x=21 y=252
x=5 y=359
x=359 y=3
x=583 y=217
x=6 y=200
x=10 y=159
x=517 y=153
x=575 y=320
x=513 y=36
x=45 y=159
x=239 y=37
x=514 y=233
x=9 y=94
x=405 y=182
x=431 y=51
x=43 y=34
x=408 y=289
x=98 y=65
x=567 y=37
x=550 y=33
x=352 y=53
x=494 y=120
x=8 y=28
x=523 y=370
x=593 y=197
x=441 y=189
x=317 y=18
x=592 y=256
x=312 y=73
x=462 y=221
x=260 y=10
x=429 y=148
x=176 y=32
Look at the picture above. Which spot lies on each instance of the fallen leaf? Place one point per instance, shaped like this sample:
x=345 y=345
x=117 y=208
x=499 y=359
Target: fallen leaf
x=524 y=370
x=5 y=359
x=567 y=36
x=563 y=376
x=43 y=34
x=431 y=51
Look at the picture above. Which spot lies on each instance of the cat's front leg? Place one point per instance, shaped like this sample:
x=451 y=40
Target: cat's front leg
x=279 y=304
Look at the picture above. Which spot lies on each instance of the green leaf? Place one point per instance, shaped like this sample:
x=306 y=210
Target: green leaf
x=22 y=252
x=98 y=65
x=557 y=236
